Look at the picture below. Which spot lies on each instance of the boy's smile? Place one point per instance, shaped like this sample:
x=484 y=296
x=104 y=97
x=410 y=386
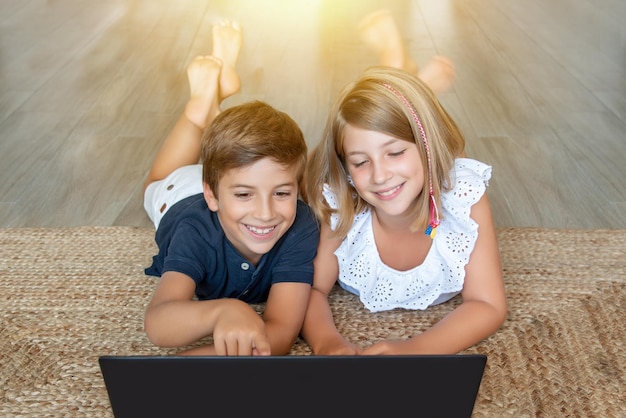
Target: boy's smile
x=256 y=205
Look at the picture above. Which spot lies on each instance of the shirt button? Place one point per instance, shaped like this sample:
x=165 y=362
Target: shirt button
x=245 y=266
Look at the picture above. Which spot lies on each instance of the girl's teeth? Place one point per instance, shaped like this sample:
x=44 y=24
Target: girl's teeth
x=389 y=192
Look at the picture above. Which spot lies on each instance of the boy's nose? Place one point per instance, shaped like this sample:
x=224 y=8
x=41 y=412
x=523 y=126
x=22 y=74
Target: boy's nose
x=264 y=209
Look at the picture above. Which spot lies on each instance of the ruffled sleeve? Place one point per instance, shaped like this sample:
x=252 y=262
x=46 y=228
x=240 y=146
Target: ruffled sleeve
x=470 y=178
x=458 y=232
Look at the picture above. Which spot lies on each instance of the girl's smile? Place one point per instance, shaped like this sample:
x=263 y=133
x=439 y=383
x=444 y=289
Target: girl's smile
x=389 y=194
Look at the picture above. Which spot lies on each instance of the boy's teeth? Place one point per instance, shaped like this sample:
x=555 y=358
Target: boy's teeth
x=261 y=231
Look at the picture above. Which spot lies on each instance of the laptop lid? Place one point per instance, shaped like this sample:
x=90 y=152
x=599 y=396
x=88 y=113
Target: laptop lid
x=293 y=386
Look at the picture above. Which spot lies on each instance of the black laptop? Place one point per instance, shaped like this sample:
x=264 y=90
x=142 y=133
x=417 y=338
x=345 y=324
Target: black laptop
x=293 y=386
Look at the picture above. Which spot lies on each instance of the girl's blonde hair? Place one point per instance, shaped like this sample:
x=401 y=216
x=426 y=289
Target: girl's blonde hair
x=393 y=102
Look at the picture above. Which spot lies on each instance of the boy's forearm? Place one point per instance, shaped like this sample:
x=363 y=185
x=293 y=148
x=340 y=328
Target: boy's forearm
x=180 y=323
x=282 y=337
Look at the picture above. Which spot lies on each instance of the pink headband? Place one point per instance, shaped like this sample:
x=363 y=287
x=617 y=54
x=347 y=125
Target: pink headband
x=434 y=212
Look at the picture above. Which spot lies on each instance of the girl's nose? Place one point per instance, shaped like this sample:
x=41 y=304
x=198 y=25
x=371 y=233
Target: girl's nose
x=380 y=173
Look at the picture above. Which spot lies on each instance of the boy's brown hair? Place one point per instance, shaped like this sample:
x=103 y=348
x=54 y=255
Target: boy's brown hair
x=244 y=134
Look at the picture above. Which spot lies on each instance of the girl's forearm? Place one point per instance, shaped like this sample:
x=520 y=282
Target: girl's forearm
x=319 y=326
x=467 y=325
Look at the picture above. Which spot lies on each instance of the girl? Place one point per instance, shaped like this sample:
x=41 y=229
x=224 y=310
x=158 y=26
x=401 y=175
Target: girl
x=405 y=218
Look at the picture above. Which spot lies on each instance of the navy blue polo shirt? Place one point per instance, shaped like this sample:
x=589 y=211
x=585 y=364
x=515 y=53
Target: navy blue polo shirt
x=191 y=241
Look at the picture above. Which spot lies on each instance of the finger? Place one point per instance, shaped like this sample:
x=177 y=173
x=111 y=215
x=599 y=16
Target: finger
x=245 y=346
x=232 y=347
x=220 y=346
x=261 y=345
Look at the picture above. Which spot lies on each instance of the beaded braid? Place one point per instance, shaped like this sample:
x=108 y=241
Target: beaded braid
x=434 y=222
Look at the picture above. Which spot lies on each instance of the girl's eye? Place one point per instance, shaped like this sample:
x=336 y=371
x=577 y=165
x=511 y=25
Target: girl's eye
x=283 y=194
x=359 y=164
x=397 y=154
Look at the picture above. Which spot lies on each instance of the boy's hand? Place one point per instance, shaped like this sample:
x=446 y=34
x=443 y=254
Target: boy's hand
x=240 y=331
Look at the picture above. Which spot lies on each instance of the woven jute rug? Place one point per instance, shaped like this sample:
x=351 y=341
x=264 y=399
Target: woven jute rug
x=70 y=295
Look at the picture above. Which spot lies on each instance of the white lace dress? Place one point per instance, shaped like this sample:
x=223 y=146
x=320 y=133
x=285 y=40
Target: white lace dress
x=440 y=277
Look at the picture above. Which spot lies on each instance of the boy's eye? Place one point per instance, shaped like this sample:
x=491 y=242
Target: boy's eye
x=242 y=195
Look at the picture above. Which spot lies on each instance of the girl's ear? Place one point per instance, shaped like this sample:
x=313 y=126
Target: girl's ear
x=209 y=197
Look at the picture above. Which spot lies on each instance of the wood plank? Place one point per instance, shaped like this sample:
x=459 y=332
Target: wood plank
x=89 y=91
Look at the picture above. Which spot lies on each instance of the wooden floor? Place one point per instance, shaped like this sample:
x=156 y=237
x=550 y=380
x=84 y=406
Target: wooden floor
x=89 y=89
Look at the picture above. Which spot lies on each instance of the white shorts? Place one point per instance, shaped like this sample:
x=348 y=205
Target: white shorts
x=163 y=194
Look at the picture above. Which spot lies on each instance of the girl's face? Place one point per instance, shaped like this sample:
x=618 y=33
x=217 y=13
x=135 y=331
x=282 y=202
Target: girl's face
x=387 y=172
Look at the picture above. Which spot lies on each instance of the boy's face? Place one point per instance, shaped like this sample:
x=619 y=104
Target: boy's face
x=256 y=205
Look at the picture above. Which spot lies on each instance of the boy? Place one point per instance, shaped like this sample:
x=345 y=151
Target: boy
x=231 y=231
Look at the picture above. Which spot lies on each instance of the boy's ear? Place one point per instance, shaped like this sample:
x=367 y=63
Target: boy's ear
x=209 y=197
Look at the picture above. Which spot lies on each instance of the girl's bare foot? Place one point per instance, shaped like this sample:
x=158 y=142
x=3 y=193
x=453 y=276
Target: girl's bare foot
x=378 y=31
x=227 y=40
x=203 y=74
x=438 y=74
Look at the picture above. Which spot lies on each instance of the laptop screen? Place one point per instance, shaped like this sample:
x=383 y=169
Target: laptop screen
x=293 y=386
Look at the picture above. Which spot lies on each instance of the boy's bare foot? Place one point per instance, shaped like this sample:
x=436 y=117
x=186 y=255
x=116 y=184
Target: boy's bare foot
x=203 y=74
x=378 y=31
x=438 y=74
x=227 y=40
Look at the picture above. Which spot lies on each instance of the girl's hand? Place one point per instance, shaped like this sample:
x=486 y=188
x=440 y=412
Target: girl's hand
x=339 y=347
x=388 y=347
